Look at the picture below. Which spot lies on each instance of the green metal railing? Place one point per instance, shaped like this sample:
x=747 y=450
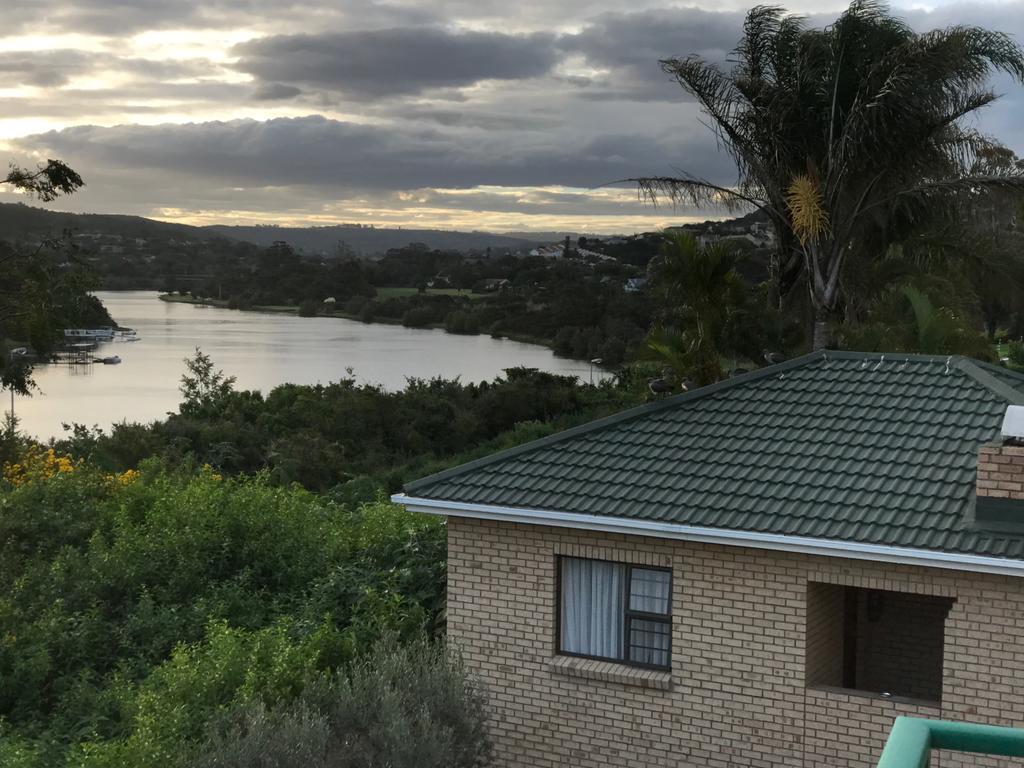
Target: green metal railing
x=912 y=739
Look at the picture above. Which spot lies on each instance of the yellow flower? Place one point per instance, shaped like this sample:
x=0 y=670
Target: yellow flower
x=36 y=465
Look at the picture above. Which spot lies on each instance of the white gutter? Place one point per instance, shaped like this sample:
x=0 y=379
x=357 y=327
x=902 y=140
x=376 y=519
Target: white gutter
x=803 y=544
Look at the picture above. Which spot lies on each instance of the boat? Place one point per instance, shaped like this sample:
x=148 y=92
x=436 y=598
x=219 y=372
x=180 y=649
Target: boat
x=94 y=334
x=112 y=360
x=103 y=333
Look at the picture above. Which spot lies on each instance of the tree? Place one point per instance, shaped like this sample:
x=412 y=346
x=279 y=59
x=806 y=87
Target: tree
x=699 y=291
x=205 y=391
x=46 y=182
x=35 y=297
x=846 y=137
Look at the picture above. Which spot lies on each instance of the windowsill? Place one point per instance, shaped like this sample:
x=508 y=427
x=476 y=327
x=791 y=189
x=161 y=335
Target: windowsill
x=907 y=700
x=611 y=672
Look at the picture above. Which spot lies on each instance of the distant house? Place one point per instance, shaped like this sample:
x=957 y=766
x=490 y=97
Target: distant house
x=549 y=251
x=762 y=572
x=634 y=284
x=491 y=285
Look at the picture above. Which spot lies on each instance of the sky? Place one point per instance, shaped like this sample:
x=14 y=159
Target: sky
x=454 y=114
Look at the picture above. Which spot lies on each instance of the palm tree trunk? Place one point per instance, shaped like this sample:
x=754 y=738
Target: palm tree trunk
x=822 y=336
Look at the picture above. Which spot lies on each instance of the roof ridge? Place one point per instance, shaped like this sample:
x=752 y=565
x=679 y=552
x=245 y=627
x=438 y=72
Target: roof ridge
x=988 y=380
x=633 y=413
x=1000 y=369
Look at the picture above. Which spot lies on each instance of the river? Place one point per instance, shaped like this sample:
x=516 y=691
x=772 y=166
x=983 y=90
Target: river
x=262 y=350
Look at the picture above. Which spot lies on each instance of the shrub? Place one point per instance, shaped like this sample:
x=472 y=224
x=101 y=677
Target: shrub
x=461 y=321
x=309 y=308
x=255 y=737
x=401 y=706
x=134 y=606
x=418 y=317
x=1016 y=354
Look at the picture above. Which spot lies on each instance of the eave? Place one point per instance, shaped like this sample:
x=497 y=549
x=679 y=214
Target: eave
x=726 y=537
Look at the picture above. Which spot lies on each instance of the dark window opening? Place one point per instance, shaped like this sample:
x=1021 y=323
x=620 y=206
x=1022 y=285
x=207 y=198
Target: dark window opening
x=876 y=641
x=615 y=612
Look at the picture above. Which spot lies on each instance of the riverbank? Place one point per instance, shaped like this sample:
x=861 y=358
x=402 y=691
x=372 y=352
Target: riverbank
x=343 y=315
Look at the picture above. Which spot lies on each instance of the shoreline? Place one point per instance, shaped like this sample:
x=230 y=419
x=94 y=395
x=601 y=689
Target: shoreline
x=342 y=315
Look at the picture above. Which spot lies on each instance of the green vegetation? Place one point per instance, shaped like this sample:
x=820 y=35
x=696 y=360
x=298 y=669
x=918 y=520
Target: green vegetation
x=345 y=438
x=391 y=292
x=140 y=610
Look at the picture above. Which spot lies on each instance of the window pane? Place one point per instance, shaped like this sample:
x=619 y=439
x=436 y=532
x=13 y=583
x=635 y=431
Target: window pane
x=648 y=591
x=650 y=642
x=592 y=611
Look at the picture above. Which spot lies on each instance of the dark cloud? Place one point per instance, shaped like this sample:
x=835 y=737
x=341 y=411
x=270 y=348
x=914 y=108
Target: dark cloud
x=396 y=61
x=117 y=17
x=630 y=45
x=55 y=68
x=318 y=152
x=275 y=92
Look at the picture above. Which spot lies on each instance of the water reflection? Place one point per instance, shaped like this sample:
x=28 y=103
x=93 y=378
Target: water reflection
x=262 y=351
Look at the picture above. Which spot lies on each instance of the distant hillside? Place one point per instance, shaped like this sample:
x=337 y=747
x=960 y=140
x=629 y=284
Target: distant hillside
x=367 y=241
x=20 y=222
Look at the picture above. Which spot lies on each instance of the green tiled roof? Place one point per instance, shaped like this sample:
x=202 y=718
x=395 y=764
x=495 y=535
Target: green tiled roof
x=835 y=445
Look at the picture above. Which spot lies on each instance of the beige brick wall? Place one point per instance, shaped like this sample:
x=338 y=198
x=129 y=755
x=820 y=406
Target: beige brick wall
x=1001 y=471
x=737 y=693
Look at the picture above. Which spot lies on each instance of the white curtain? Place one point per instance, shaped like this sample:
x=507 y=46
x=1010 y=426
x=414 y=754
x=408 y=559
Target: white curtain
x=592 y=610
x=648 y=591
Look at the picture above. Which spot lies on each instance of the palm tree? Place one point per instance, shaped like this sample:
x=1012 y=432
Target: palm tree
x=699 y=291
x=940 y=331
x=847 y=137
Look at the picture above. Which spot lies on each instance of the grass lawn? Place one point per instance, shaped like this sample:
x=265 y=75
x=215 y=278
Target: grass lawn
x=397 y=293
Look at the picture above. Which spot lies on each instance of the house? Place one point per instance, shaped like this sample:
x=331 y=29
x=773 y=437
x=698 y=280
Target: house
x=492 y=284
x=634 y=284
x=762 y=572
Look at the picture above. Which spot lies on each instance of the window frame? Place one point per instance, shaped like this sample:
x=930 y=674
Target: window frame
x=628 y=615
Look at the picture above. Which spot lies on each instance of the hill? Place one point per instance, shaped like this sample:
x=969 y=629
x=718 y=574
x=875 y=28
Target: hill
x=367 y=241
x=19 y=222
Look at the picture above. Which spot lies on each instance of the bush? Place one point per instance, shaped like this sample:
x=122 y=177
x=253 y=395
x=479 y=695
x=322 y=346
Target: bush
x=293 y=737
x=309 y=308
x=135 y=606
x=418 y=317
x=461 y=321
x=401 y=706
x=1016 y=354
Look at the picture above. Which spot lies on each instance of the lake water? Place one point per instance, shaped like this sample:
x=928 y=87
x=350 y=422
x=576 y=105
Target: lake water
x=262 y=350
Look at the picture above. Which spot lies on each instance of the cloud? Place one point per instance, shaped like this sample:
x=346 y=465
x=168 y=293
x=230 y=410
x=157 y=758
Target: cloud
x=275 y=91
x=324 y=171
x=430 y=101
x=628 y=47
x=396 y=61
x=315 y=151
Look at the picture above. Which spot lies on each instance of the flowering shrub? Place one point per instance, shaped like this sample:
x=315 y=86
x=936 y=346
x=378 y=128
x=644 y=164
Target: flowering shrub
x=38 y=464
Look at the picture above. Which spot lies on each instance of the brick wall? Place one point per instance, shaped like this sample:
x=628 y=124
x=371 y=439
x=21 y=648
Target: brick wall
x=737 y=693
x=1001 y=471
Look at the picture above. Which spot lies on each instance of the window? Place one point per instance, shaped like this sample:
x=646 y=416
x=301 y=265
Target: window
x=876 y=641
x=616 y=612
